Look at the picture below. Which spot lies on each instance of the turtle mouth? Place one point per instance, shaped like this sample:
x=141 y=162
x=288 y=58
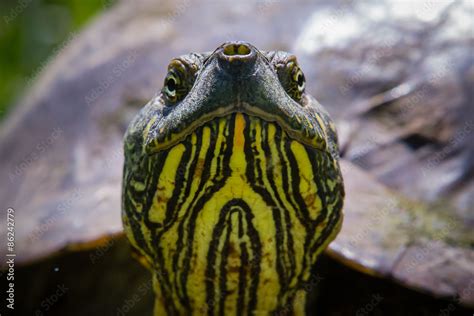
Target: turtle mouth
x=163 y=136
x=239 y=131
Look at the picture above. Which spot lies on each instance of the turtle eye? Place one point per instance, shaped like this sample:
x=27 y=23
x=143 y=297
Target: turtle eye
x=300 y=80
x=178 y=82
x=170 y=86
x=292 y=79
x=297 y=82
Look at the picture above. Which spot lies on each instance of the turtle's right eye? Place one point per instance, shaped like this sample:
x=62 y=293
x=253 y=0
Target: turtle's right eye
x=178 y=82
x=169 y=89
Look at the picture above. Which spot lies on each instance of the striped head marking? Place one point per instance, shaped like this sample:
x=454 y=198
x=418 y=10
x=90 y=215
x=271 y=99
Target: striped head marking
x=231 y=185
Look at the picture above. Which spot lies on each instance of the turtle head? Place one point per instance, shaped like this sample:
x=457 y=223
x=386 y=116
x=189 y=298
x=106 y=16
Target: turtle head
x=231 y=173
x=235 y=78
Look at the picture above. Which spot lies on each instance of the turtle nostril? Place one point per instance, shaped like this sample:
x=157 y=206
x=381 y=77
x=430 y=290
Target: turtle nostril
x=237 y=57
x=236 y=49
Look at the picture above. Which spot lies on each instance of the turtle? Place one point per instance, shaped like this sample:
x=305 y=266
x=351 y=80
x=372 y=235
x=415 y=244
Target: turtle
x=232 y=185
x=395 y=78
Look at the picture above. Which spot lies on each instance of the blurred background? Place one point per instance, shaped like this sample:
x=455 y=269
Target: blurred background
x=31 y=33
x=395 y=75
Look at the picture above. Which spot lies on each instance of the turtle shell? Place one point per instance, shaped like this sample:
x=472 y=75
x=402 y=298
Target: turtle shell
x=397 y=81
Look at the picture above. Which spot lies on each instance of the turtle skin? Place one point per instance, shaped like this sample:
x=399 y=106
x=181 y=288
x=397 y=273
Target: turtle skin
x=231 y=185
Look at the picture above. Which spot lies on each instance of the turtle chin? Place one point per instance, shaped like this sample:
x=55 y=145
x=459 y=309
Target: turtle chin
x=227 y=123
x=168 y=131
x=235 y=199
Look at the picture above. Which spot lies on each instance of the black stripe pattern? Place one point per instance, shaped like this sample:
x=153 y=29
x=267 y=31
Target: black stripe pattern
x=233 y=217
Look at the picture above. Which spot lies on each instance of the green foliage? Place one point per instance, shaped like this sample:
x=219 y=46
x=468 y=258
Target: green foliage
x=32 y=30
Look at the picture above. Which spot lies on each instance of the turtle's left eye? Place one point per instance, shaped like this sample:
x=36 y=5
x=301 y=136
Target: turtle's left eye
x=292 y=78
x=300 y=80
